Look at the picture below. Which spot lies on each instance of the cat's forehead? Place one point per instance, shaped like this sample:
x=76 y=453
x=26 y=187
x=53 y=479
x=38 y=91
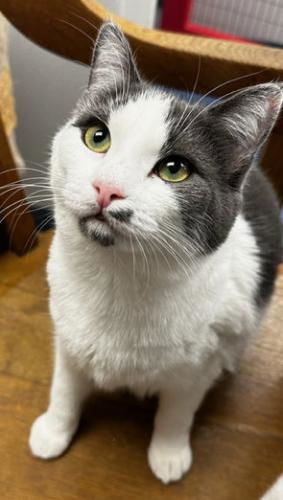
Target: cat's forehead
x=142 y=118
x=146 y=107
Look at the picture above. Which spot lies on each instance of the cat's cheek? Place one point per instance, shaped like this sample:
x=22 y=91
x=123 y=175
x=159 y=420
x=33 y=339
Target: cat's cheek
x=161 y=199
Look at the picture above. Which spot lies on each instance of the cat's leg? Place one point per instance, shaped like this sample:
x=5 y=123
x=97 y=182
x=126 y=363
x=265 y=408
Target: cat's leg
x=169 y=452
x=276 y=491
x=52 y=432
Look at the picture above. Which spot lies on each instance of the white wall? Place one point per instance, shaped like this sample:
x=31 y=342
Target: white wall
x=139 y=11
x=46 y=87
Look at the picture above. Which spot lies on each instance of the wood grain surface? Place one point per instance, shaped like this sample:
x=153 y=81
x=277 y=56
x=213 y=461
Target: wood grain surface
x=237 y=438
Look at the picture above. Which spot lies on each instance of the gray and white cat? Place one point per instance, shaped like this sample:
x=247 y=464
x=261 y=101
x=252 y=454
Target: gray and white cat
x=165 y=252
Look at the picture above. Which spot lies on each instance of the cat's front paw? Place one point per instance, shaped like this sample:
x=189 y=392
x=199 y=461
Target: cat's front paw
x=169 y=463
x=47 y=440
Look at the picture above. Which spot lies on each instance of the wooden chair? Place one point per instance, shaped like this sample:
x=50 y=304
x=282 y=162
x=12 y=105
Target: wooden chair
x=69 y=28
x=17 y=227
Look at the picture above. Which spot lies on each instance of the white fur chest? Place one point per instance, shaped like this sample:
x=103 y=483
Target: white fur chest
x=133 y=329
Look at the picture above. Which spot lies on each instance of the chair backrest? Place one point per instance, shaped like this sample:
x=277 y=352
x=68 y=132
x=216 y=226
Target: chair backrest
x=69 y=28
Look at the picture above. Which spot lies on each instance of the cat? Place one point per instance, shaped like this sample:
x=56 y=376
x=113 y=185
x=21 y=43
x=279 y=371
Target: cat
x=276 y=490
x=165 y=252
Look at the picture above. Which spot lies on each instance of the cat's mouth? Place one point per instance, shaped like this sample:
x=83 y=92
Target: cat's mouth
x=97 y=228
x=105 y=227
x=101 y=217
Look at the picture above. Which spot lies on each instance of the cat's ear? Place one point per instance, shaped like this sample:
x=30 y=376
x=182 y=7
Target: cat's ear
x=112 y=62
x=243 y=122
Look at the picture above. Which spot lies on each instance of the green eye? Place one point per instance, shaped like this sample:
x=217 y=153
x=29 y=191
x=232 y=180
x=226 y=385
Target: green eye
x=174 y=169
x=97 y=138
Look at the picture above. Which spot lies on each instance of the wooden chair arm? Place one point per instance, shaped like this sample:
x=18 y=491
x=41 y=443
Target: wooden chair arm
x=17 y=231
x=68 y=28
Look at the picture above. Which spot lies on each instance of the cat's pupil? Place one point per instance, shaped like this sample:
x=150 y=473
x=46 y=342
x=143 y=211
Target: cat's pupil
x=173 y=167
x=99 y=135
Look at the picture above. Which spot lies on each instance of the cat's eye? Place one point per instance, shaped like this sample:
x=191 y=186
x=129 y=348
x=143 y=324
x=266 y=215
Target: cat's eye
x=97 y=138
x=173 y=169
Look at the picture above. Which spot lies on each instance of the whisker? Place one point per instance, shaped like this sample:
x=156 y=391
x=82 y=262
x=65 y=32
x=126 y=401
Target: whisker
x=85 y=20
x=78 y=29
x=196 y=105
x=35 y=232
x=183 y=115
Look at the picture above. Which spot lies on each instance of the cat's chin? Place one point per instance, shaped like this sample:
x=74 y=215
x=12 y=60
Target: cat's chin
x=98 y=230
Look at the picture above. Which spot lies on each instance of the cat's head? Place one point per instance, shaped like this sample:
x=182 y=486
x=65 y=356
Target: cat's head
x=136 y=163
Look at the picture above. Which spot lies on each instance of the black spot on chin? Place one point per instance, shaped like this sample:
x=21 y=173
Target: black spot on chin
x=104 y=240
x=121 y=215
x=94 y=233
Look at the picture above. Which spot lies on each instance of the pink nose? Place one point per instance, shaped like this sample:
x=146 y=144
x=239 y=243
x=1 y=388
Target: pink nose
x=107 y=193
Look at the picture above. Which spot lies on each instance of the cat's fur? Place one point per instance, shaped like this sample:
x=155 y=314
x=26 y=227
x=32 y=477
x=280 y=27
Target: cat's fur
x=276 y=490
x=163 y=297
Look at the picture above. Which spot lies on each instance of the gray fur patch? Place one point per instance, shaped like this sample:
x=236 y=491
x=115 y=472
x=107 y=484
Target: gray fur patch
x=261 y=210
x=220 y=141
x=96 y=232
x=121 y=215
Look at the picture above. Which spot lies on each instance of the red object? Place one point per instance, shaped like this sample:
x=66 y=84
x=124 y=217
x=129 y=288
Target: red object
x=175 y=14
x=176 y=17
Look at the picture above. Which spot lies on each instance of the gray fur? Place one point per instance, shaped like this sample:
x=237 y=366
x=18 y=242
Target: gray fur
x=121 y=215
x=89 y=228
x=261 y=209
x=221 y=142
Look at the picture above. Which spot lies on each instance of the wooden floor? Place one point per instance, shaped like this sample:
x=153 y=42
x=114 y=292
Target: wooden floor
x=237 y=439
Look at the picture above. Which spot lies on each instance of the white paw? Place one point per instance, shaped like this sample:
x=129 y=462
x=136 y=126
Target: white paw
x=47 y=441
x=169 y=463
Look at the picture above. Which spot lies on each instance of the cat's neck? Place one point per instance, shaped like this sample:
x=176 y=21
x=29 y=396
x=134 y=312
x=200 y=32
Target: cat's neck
x=139 y=264
x=143 y=266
